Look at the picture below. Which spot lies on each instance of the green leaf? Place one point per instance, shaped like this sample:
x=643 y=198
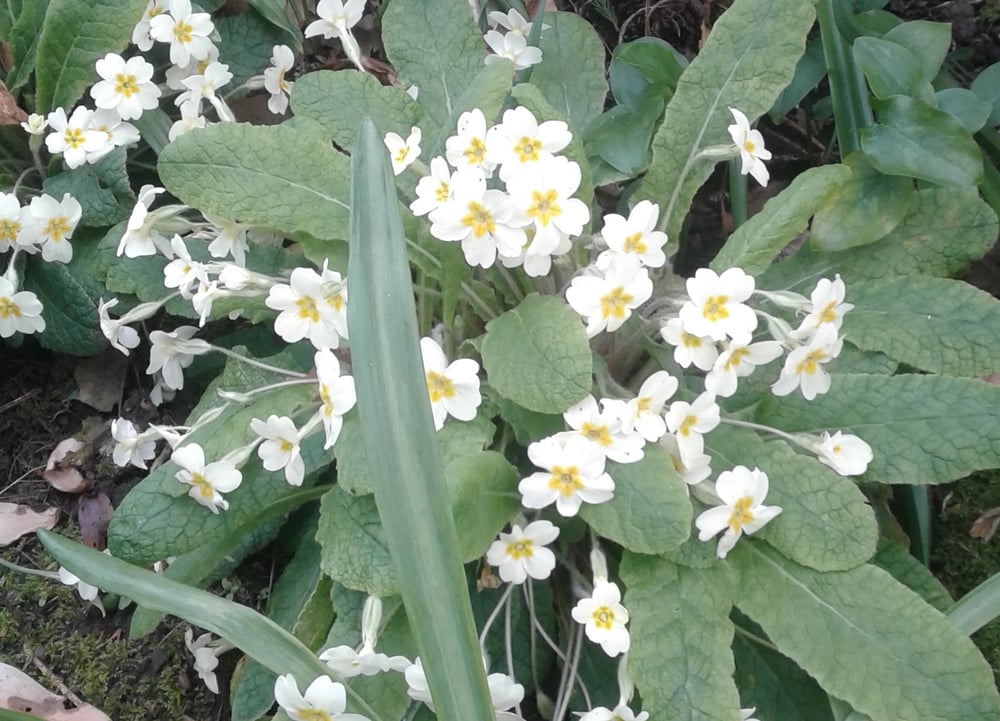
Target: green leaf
x=978 y=607
x=23 y=40
x=737 y=68
x=898 y=315
x=285 y=177
x=916 y=140
x=571 y=42
x=537 y=355
x=754 y=244
x=483 y=498
x=861 y=210
x=75 y=35
x=905 y=568
x=987 y=86
x=274 y=12
x=966 y=107
x=651 y=512
x=922 y=428
x=102 y=189
x=354 y=547
x=339 y=101
x=681 y=633
x=248 y=40
x=527 y=425
x=867 y=639
x=928 y=42
x=944 y=230
x=889 y=68
x=643 y=68
x=621 y=136
x=809 y=71
x=435 y=46
x=487 y=91
x=826 y=523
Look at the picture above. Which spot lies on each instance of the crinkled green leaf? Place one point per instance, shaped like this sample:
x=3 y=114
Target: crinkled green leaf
x=487 y=91
x=944 y=230
x=737 y=68
x=353 y=541
x=922 y=428
x=286 y=177
x=102 y=189
x=651 y=512
x=435 y=46
x=889 y=68
x=899 y=315
x=826 y=522
x=754 y=245
x=76 y=34
x=484 y=498
x=571 y=74
x=967 y=107
x=247 y=41
x=537 y=355
x=681 y=634
x=905 y=568
x=867 y=639
x=340 y=100
x=927 y=41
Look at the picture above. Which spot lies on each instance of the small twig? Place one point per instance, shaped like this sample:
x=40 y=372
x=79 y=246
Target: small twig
x=54 y=680
x=20 y=399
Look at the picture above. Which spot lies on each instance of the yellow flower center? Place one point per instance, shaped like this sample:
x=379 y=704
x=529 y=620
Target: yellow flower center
x=544 y=206
x=736 y=356
x=9 y=230
x=335 y=301
x=527 y=149
x=715 y=308
x=686 y=425
x=9 y=308
x=565 y=480
x=182 y=32
x=282 y=85
x=439 y=386
x=307 y=309
x=441 y=194
x=808 y=364
x=126 y=85
x=153 y=12
x=603 y=617
x=748 y=146
x=479 y=219
x=73 y=137
x=475 y=153
x=634 y=244
x=56 y=229
x=596 y=434
x=324 y=395
x=205 y=489
x=401 y=154
x=520 y=549
x=690 y=341
x=827 y=315
x=642 y=404
x=741 y=514
x=285 y=445
x=311 y=714
x=614 y=303
x=676 y=461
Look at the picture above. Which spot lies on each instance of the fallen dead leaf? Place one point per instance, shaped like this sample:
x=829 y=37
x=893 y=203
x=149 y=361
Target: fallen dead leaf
x=99 y=379
x=61 y=470
x=17 y=521
x=10 y=113
x=20 y=692
x=94 y=514
x=986 y=525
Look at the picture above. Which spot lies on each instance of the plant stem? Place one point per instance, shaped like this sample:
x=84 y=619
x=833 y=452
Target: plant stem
x=847 y=88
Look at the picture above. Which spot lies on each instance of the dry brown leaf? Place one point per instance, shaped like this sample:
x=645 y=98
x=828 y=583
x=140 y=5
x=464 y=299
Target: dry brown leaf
x=985 y=526
x=10 y=113
x=20 y=692
x=17 y=521
x=99 y=379
x=61 y=470
x=94 y=515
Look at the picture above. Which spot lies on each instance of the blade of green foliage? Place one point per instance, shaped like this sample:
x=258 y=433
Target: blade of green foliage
x=809 y=71
x=435 y=46
x=75 y=34
x=917 y=140
x=339 y=101
x=484 y=498
x=928 y=42
x=23 y=40
x=651 y=512
x=905 y=568
x=537 y=355
x=254 y=634
x=571 y=42
x=285 y=177
x=965 y=106
x=889 y=68
x=102 y=188
x=300 y=604
x=898 y=315
x=681 y=634
x=247 y=41
x=754 y=244
x=922 y=428
x=944 y=230
x=157 y=519
x=736 y=67
x=826 y=523
x=978 y=607
x=274 y=12
x=866 y=639
x=395 y=415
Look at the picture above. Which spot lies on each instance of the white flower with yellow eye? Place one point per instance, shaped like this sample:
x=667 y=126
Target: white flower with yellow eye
x=519 y=140
x=607 y=300
x=522 y=552
x=402 y=152
x=281 y=448
x=742 y=493
x=574 y=475
x=453 y=387
x=604 y=618
x=208 y=482
x=467 y=149
x=750 y=143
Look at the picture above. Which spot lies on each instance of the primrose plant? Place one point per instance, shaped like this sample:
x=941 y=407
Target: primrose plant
x=553 y=476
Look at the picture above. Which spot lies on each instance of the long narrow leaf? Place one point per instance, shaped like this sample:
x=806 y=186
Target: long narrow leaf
x=978 y=607
x=396 y=419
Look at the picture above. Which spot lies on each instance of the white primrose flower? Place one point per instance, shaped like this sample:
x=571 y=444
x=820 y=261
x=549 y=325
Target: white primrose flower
x=511 y=46
x=644 y=413
x=522 y=552
x=603 y=430
x=716 y=308
x=511 y=20
x=604 y=618
x=335 y=18
x=334 y=306
x=230 y=239
x=621 y=712
x=574 y=474
x=417 y=687
x=208 y=482
x=206 y=651
x=467 y=149
x=751 y=146
x=485 y=221
x=51 y=223
x=402 y=153
x=202 y=86
x=337 y=393
x=689 y=349
x=126 y=86
x=747 y=713
x=542 y=192
x=87 y=591
x=804 y=365
x=187 y=32
x=453 y=388
x=191 y=119
x=140 y=33
x=693 y=470
x=117 y=132
x=35 y=124
x=742 y=493
x=304 y=309
x=73 y=137
x=504 y=693
x=690 y=421
x=20 y=311
x=172 y=352
x=13 y=220
x=348 y=662
x=636 y=235
x=433 y=190
x=130 y=446
x=280 y=449
x=847 y=454
x=176 y=74
x=324 y=700
x=121 y=336
x=140 y=237
x=519 y=140
x=182 y=272
x=739 y=361
x=607 y=300
x=282 y=60
x=826 y=306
